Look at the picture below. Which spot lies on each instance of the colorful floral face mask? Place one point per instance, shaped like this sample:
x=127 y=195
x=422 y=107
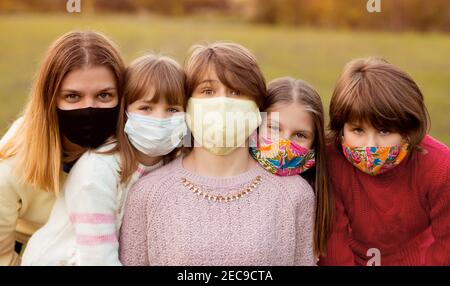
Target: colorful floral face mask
x=283 y=157
x=375 y=160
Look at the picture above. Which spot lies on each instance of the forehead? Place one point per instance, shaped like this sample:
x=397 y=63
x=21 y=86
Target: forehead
x=88 y=78
x=291 y=116
x=360 y=124
x=368 y=125
x=208 y=75
x=149 y=95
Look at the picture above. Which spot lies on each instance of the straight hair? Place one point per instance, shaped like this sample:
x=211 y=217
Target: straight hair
x=371 y=90
x=294 y=91
x=156 y=75
x=38 y=146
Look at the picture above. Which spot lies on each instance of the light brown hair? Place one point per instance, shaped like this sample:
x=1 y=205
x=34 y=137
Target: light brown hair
x=156 y=74
x=236 y=67
x=38 y=146
x=293 y=91
x=373 y=91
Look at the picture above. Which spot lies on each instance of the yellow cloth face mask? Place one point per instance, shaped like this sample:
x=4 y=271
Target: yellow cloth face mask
x=222 y=124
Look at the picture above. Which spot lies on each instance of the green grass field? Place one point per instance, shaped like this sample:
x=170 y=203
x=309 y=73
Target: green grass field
x=316 y=56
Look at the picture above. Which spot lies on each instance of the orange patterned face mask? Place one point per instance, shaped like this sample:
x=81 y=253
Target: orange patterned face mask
x=283 y=157
x=375 y=160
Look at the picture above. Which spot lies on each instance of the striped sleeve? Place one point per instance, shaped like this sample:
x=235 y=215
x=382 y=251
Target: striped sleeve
x=91 y=199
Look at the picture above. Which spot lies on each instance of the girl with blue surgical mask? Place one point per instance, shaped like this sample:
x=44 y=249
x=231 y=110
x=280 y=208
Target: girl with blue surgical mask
x=291 y=142
x=85 y=221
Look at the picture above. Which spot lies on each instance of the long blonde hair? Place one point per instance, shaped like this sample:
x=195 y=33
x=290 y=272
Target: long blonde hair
x=37 y=146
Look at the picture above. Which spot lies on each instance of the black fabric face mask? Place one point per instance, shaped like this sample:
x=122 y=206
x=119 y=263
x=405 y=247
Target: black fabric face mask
x=88 y=127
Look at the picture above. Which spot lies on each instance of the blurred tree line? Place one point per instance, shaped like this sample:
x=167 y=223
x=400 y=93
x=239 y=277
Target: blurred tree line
x=422 y=15
x=167 y=7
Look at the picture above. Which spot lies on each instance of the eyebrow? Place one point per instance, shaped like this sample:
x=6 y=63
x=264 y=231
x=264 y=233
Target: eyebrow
x=305 y=131
x=108 y=89
x=280 y=126
x=76 y=91
x=355 y=125
x=150 y=101
x=208 y=81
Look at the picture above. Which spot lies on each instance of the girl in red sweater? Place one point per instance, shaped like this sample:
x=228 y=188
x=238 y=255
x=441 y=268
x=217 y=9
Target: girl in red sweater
x=391 y=180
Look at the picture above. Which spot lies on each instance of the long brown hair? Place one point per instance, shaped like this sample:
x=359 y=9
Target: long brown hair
x=293 y=91
x=162 y=76
x=38 y=146
x=374 y=91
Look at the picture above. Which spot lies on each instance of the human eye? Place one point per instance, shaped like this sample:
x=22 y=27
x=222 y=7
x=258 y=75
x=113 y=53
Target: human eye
x=72 y=97
x=207 y=91
x=385 y=132
x=145 y=108
x=300 y=135
x=105 y=96
x=173 y=110
x=357 y=130
x=235 y=92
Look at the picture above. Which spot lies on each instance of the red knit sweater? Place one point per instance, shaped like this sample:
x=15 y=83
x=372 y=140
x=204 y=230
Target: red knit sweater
x=404 y=213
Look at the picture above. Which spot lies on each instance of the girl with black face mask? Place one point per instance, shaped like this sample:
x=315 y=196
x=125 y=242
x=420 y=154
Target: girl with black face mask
x=84 y=224
x=73 y=107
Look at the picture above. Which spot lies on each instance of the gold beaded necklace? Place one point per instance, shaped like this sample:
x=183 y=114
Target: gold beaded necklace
x=221 y=199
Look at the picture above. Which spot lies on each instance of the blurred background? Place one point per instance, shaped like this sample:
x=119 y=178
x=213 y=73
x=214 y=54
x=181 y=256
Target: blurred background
x=307 y=39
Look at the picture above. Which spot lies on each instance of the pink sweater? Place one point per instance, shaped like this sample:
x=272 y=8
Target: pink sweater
x=167 y=224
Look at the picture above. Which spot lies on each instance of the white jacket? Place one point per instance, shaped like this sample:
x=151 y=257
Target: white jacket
x=11 y=131
x=84 y=224
x=23 y=209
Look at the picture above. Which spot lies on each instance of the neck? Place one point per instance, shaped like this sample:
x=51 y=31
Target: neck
x=71 y=151
x=145 y=159
x=207 y=164
x=68 y=146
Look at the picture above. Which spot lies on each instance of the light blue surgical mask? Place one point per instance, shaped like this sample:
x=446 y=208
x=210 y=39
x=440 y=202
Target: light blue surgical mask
x=156 y=136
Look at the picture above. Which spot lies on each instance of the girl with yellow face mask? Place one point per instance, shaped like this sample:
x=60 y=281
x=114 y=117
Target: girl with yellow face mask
x=217 y=205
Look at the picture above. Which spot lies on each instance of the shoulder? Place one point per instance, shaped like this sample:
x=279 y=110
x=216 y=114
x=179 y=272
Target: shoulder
x=97 y=160
x=160 y=176
x=294 y=188
x=11 y=131
x=434 y=149
x=143 y=195
x=435 y=159
x=8 y=190
x=95 y=168
x=7 y=173
x=434 y=156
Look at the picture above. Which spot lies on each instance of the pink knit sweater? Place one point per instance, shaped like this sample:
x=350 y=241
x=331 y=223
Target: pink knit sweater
x=167 y=224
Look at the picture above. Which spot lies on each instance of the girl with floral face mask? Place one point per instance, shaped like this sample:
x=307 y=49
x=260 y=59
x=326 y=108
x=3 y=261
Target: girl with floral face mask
x=85 y=221
x=390 y=179
x=216 y=205
x=291 y=142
